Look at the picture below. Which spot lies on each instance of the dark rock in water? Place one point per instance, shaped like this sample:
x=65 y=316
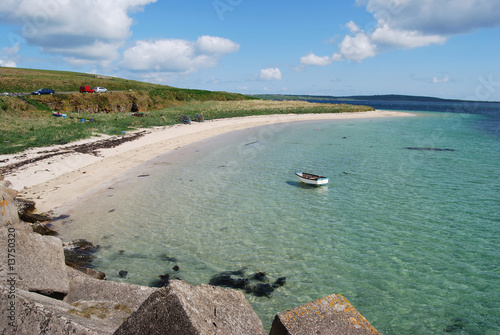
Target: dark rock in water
x=235 y=280
x=224 y=279
x=168 y=258
x=42 y=229
x=241 y=283
x=261 y=290
x=80 y=252
x=32 y=218
x=457 y=326
x=162 y=281
x=175 y=268
x=279 y=282
x=221 y=280
x=429 y=149
x=123 y=273
x=260 y=276
x=24 y=206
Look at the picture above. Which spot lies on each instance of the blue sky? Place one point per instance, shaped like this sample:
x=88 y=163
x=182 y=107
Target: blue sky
x=442 y=48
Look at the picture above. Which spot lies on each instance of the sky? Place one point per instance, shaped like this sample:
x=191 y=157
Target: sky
x=439 y=48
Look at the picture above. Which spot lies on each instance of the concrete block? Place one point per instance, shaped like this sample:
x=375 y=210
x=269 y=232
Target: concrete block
x=332 y=315
x=183 y=309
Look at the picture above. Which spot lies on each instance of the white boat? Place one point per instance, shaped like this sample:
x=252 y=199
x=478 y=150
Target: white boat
x=311 y=179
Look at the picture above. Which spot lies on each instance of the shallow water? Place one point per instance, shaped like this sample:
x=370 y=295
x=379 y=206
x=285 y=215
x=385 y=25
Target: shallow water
x=409 y=237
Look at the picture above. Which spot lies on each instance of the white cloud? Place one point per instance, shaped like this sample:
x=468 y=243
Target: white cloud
x=84 y=29
x=216 y=45
x=312 y=59
x=437 y=80
x=8 y=56
x=358 y=47
x=270 y=74
x=174 y=55
x=353 y=27
x=7 y=63
x=407 y=24
x=442 y=17
x=404 y=39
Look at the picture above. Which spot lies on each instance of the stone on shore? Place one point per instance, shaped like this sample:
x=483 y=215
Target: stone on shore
x=39 y=260
x=37 y=314
x=8 y=209
x=333 y=315
x=181 y=308
x=84 y=287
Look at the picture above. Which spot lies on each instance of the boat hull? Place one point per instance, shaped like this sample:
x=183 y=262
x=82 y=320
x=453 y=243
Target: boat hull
x=311 y=179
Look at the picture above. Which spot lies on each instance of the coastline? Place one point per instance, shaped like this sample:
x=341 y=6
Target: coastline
x=60 y=178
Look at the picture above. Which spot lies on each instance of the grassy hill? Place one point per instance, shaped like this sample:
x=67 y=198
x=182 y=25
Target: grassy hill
x=27 y=121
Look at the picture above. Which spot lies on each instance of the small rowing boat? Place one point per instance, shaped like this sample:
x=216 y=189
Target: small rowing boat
x=311 y=179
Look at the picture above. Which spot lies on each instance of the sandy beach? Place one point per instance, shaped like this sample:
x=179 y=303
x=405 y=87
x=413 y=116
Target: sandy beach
x=54 y=176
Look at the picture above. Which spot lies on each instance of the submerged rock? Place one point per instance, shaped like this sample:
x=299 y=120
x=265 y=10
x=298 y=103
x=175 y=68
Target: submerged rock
x=42 y=229
x=279 y=282
x=429 y=149
x=261 y=290
x=237 y=280
x=162 y=281
x=80 y=252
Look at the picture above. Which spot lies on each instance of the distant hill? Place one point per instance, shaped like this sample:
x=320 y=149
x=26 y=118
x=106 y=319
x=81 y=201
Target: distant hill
x=385 y=97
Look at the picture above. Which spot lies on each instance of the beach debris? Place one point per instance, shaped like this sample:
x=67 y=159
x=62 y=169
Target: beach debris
x=86 y=148
x=429 y=149
x=183 y=118
x=143 y=175
x=199 y=118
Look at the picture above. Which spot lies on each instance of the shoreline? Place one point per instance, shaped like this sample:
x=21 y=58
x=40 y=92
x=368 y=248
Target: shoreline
x=54 y=176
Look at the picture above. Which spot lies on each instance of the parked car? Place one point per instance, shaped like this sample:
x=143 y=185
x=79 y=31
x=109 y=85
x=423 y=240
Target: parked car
x=86 y=89
x=43 y=91
x=100 y=90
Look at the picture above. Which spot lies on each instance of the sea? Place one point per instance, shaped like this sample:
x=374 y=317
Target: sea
x=407 y=229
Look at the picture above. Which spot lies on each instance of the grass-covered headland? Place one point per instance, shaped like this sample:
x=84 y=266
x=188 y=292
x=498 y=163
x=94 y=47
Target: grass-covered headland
x=27 y=121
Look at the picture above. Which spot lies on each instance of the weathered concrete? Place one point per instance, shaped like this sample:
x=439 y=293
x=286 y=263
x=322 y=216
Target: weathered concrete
x=38 y=261
x=332 y=315
x=8 y=210
x=180 y=308
x=84 y=287
x=36 y=314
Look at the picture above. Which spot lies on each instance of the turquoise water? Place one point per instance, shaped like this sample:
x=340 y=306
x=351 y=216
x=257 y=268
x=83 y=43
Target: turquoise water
x=409 y=237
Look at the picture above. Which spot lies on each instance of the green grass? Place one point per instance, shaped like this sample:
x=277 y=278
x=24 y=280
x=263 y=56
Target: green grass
x=23 y=130
x=27 y=122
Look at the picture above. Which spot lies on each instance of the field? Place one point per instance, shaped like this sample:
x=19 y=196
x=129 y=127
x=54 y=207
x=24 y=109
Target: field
x=28 y=121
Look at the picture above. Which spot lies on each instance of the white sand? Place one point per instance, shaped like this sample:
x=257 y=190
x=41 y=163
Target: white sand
x=55 y=181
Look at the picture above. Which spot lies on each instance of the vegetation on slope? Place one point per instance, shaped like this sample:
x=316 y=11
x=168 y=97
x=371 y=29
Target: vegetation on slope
x=27 y=121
